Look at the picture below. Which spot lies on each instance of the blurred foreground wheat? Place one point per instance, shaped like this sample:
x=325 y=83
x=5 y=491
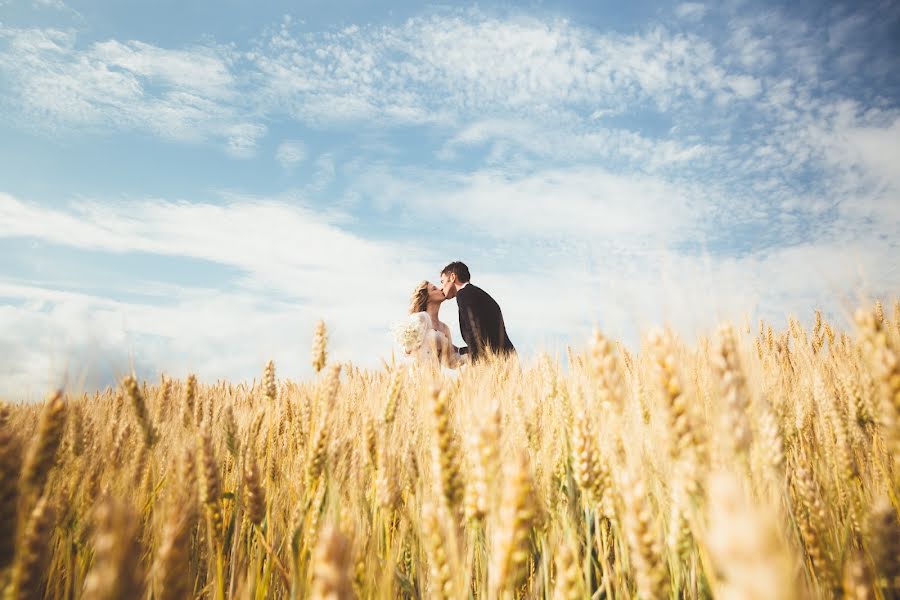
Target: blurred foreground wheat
x=754 y=466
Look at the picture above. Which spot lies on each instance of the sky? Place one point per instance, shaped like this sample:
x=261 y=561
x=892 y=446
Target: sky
x=189 y=186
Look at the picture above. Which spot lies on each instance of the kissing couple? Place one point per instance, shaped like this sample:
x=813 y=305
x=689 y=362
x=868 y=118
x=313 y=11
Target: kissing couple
x=426 y=339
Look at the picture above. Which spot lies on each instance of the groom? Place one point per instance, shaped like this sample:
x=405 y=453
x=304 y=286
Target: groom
x=480 y=319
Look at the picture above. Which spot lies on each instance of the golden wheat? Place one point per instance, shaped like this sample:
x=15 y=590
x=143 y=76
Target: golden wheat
x=10 y=463
x=741 y=466
x=29 y=570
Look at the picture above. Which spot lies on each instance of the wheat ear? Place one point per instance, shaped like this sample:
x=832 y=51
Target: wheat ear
x=645 y=553
x=440 y=585
x=446 y=451
x=140 y=409
x=28 y=570
x=331 y=567
x=255 y=492
x=42 y=452
x=171 y=569
x=320 y=347
x=393 y=397
x=485 y=446
x=210 y=486
x=116 y=571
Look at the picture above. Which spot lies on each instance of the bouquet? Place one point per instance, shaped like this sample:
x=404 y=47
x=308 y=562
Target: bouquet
x=411 y=334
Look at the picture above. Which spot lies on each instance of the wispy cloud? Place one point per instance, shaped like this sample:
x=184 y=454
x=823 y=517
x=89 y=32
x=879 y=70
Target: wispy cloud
x=445 y=70
x=57 y=4
x=444 y=67
x=521 y=139
x=185 y=95
x=203 y=71
x=690 y=11
x=428 y=70
x=633 y=212
x=290 y=153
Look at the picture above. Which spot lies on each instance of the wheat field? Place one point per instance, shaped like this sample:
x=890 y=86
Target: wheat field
x=752 y=464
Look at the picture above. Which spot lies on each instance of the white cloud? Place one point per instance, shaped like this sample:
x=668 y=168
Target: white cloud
x=57 y=4
x=876 y=149
x=185 y=95
x=290 y=153
x=242 y=139
x=753 y=50
x=515 y=137
x=457 y=70
x=203 y=71
x=85 y=341
x=581 y=202
x=691 y=11
x=559 y=304
x=441 y=68
x=294 y=267
x=282 y=251
x=765 y=39
x=246 y=233
x=744 y=86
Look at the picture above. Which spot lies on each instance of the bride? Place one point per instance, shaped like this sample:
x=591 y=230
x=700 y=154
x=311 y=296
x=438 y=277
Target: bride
x=424 y=337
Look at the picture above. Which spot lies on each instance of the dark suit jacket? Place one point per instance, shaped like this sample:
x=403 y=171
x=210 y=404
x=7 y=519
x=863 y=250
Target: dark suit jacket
x=481 y=323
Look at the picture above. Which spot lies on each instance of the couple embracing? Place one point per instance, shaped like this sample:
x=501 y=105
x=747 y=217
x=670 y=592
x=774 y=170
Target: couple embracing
x=426 y=339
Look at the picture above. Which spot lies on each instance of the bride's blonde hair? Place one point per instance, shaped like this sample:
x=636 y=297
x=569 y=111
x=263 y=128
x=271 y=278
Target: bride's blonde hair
x=419 y=300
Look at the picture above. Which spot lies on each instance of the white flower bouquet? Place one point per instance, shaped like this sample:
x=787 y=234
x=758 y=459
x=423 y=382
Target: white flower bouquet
x=410 y=334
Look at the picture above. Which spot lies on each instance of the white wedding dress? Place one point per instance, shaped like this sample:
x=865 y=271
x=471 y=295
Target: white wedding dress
x=434 y=348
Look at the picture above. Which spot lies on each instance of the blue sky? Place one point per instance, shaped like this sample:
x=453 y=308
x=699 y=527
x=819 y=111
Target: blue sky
x=189 y=186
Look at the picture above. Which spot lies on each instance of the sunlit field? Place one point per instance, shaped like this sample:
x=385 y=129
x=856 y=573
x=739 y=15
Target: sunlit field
x=754 y=463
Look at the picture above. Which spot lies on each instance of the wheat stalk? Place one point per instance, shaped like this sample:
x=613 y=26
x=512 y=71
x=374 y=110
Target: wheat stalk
x=510 y=550
x=10 y=464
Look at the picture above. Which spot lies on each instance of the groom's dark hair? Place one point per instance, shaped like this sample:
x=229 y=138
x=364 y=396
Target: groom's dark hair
x=459 y=269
